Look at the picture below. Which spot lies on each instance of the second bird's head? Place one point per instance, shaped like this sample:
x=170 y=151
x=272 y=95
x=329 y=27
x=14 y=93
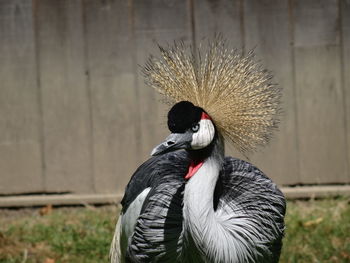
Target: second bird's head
x=191 y=129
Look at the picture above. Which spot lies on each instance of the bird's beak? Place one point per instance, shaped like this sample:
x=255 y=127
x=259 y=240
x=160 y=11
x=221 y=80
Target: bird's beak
x=173 y=142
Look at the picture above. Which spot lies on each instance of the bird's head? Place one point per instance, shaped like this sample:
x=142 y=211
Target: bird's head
x=191 y=129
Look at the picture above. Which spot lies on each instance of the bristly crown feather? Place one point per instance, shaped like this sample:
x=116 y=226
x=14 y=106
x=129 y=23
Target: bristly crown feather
x=231 y=87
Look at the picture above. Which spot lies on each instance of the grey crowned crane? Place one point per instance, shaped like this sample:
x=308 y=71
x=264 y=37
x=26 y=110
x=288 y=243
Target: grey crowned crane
x=188 y=202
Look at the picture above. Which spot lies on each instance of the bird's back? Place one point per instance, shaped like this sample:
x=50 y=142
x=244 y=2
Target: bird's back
x=254 y=208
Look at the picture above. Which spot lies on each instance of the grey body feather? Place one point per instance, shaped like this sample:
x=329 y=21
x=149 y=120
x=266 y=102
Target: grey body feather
x=243 y=222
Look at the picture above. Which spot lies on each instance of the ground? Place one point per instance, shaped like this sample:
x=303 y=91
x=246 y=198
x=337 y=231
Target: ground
x=317 y=231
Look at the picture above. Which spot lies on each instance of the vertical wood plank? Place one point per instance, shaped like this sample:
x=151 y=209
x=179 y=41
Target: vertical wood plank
x=67 y=135
x=110 y=57
x=156 y=22
x=319 y=93
x=345 y=41
x=267 y=30
x=20 y=137
x=223 y=16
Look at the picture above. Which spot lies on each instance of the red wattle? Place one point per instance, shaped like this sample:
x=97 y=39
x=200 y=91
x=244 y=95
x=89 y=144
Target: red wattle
x=193 y=168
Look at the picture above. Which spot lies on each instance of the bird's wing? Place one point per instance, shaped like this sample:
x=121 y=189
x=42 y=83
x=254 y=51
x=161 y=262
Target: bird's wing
x=152 y=172
x=252 y=207
x=157 y=185
x=135 y=194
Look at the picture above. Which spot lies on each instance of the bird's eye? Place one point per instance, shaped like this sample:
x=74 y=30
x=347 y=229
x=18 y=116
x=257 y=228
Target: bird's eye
x=195 y=127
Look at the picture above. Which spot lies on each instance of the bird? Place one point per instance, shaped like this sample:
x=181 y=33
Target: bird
x=188 y=202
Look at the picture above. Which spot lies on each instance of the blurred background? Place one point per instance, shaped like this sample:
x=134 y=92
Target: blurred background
x=76 y=116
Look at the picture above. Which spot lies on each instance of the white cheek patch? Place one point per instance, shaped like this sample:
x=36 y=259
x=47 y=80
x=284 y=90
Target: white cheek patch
x=204 y=135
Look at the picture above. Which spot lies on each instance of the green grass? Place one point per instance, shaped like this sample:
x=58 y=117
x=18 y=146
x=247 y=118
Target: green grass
x=317 y=231
x=64 y=235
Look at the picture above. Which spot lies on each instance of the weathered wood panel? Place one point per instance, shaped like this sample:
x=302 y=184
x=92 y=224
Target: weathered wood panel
x=319 y=94
x=345 y=41
x=20 y=122
x=65 y=103
x=219 y=17
x=75 y=114
x=271 y=18
x=156 y=22
x=113 y=95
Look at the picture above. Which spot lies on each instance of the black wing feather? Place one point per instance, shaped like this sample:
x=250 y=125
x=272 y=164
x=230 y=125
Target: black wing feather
x=158 y=228
x=151 y=173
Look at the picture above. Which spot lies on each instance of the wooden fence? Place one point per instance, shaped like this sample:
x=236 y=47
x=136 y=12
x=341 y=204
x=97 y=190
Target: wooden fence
x=75 y=115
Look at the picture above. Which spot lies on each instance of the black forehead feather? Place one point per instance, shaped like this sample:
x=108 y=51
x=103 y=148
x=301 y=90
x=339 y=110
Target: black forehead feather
x=182 y=116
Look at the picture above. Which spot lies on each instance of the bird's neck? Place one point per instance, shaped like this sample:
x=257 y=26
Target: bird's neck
x=198 y=210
